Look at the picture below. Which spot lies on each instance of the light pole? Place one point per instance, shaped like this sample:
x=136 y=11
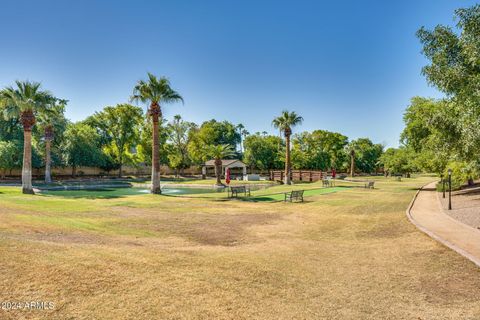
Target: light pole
x=443 y=183
x=449 y=189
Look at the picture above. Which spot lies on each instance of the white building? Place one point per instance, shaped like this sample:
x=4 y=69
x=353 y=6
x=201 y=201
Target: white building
x=237 y=167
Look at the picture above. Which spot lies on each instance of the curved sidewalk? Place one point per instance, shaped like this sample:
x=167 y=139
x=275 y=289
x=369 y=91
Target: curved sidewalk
x=426 y=213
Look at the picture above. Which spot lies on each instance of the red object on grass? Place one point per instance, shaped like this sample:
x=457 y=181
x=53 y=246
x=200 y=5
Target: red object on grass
x=227 y=176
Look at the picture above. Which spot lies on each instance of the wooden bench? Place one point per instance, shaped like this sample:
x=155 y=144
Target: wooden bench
x=233 y=192
x=329 y=182
x=370 y=185
x=294 y=195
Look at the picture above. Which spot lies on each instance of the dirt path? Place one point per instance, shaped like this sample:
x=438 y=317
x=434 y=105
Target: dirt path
x=427 y=214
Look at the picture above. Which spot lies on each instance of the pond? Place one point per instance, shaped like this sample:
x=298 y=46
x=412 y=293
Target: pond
x=112 y=192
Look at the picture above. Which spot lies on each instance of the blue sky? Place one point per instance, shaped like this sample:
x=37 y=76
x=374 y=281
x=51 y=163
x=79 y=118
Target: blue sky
x=346 y=66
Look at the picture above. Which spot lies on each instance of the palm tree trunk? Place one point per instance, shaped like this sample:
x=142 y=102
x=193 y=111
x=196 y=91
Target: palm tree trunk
x=287 y=160
x=155 y=112
x=218 y=173
x=27 y=187
x=352 y=165
x=48 y=160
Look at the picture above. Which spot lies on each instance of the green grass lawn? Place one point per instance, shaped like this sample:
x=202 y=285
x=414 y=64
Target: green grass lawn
x=307 y=194
x=345 y=253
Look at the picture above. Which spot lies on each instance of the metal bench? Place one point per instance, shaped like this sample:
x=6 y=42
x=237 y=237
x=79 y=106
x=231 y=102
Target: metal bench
x=325 y=183
x=370 y=185
x=294 y=195
x=233 y=192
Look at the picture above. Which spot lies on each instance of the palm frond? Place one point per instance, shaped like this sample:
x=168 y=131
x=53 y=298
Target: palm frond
x=155 y=91
x=287 y=120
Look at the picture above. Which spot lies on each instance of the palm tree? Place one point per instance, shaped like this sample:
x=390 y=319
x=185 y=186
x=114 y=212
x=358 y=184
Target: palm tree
x=351 y=150
x=352 y=162
x=219 y=152
x=47 y=121
x=155 y=91
x=284 y=123
x=244 y=135
x=24 y=102
x=240 y=128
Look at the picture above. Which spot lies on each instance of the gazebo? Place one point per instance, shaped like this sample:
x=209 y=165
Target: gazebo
x=231 y=164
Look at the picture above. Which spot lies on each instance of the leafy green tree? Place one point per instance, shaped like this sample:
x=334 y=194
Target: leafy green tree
x=332 y=143
x=308 y=153
x=219 y=152
x=24 y=102
x=431 y=132
x=398 y=161
x=366 y=154
x=263 y=152
x=120 y=127
x=155 y=92
x=453 y=54
x=81 y=147
x=320 y=150
x=8 y=157
x=462 y=171
x=211 y=132
x=449 y=132
x=179 y=137
x=285 y=122
x=10 y=129
x=144 y=146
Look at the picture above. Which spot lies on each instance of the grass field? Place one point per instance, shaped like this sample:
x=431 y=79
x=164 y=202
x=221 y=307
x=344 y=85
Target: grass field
x=346 y=254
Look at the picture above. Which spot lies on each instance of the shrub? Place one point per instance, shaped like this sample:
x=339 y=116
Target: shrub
x=462 y=172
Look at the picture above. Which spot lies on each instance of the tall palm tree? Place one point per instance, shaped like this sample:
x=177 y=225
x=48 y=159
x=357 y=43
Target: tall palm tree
x=352 y=162
x=24 y=102
x=47 y=121
x=219 y=152
x=240 y=127
x=244 y=135
x=284 y=123
x=155 y=91
x=351 y=150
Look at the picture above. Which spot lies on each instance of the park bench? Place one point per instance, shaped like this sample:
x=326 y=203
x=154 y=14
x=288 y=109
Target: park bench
x=294 y=195
x=233 y=192
x=370 y=185
x=325 y=183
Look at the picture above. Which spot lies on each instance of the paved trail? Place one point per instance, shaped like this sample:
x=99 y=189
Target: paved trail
x=427 y=214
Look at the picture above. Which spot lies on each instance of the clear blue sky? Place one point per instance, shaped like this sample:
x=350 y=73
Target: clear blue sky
x=347 y=66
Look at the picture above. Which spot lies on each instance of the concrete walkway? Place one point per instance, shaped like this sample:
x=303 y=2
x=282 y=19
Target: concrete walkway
x=426 y=213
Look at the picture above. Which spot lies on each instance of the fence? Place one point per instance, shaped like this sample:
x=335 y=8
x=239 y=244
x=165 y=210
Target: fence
x=297 y=175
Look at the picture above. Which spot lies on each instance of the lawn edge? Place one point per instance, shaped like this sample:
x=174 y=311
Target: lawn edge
x=433 y=235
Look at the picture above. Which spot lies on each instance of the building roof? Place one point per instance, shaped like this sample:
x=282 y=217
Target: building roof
x=225 y=162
